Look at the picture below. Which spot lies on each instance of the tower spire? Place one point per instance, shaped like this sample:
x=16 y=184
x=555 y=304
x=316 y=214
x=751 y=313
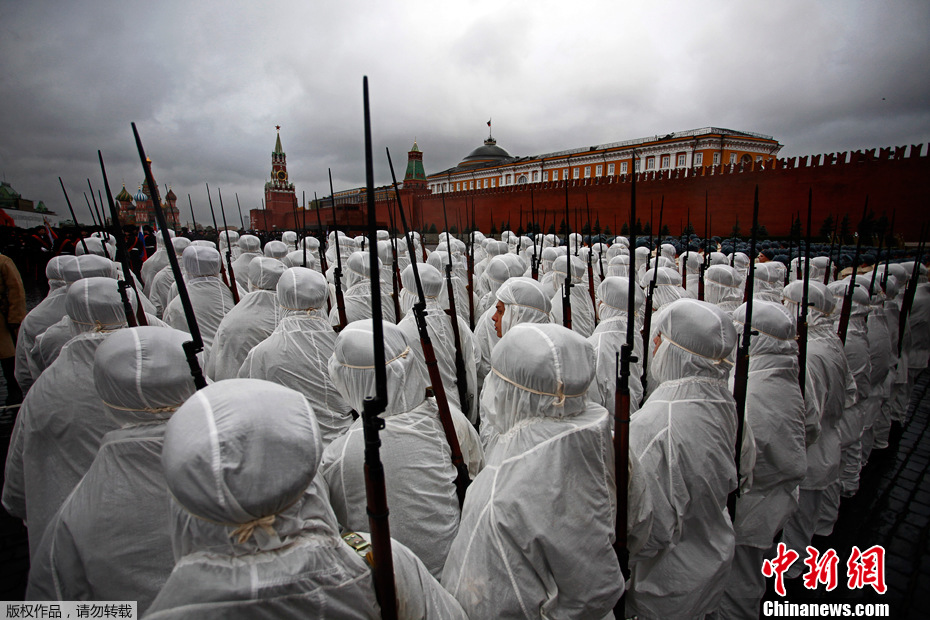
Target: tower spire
x=277 y=145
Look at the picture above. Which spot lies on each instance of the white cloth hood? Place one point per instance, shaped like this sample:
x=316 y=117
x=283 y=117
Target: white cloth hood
x=141 y=374
x=88 y=266
x=264 y=273
x=525 y=301
x=301 y=290
x=697 y=339
x=538 y=370
x=358 y=268
x=819 y=296
x=614 y=294
x=94 y=304
x=352 y=368
x=430 y=279
x=249 y=243
x=55 y=270
x=200 y=261
x=227 y=462
x=776 y=328
x=722 y=285
x=277 y=249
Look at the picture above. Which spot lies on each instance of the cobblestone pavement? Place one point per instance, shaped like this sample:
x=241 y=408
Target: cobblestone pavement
x=892 y=509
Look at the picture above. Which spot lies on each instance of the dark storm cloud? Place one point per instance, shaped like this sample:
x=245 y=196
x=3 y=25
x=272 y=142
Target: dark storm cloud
x=207 y=81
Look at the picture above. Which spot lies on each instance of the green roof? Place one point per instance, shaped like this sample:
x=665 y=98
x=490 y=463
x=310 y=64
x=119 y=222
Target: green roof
x=415 y=170
x=277 y=145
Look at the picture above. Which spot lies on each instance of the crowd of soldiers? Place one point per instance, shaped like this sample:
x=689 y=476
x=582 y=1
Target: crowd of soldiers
x=247 y=498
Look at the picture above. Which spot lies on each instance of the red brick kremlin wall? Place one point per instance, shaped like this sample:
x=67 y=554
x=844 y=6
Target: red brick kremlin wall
x=893 y=178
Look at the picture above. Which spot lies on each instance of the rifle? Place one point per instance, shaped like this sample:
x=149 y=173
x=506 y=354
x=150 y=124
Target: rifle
x=195 y=345
x=805 y=300
x=232 y=273
x=429 y=356
x=741 y=374
x=826 y=275
x=100 y=220
x=471 y=267
x=686 y=254
x=647 y=313
x=461 y=377
x=96 y=223
x=193 y=219
x=706 y=258
x=911 y=289
x=567 y=287
x=847 y=298
x=337 y=272
x=73 y=217
x=395 y=271
x=324 y=267
x=217 y=230
x=133 y=319
x=797 y=269
x=590 y=267
x=881 y=244
x=303 y=239
x=297 y=223
x=238 y=206
x=534 y=264
x=621 y=438
x=888 y=252
x=375 y=489
x=790 y=244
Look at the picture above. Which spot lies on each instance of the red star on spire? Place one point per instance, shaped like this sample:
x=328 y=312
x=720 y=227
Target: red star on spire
x=278 y=127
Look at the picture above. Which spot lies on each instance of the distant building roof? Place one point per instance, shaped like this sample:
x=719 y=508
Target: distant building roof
x=488 y=153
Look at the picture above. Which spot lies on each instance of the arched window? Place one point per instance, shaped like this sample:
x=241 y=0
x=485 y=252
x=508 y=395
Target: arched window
x=521 y=180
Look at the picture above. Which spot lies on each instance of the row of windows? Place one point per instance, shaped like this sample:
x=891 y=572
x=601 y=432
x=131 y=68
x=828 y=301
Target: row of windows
x=681 y=160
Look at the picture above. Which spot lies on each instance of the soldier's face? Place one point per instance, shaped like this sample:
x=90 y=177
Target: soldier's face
x=498 y=318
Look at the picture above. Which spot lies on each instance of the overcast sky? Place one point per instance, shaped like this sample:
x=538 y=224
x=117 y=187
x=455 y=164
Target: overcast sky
x=207 y=81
